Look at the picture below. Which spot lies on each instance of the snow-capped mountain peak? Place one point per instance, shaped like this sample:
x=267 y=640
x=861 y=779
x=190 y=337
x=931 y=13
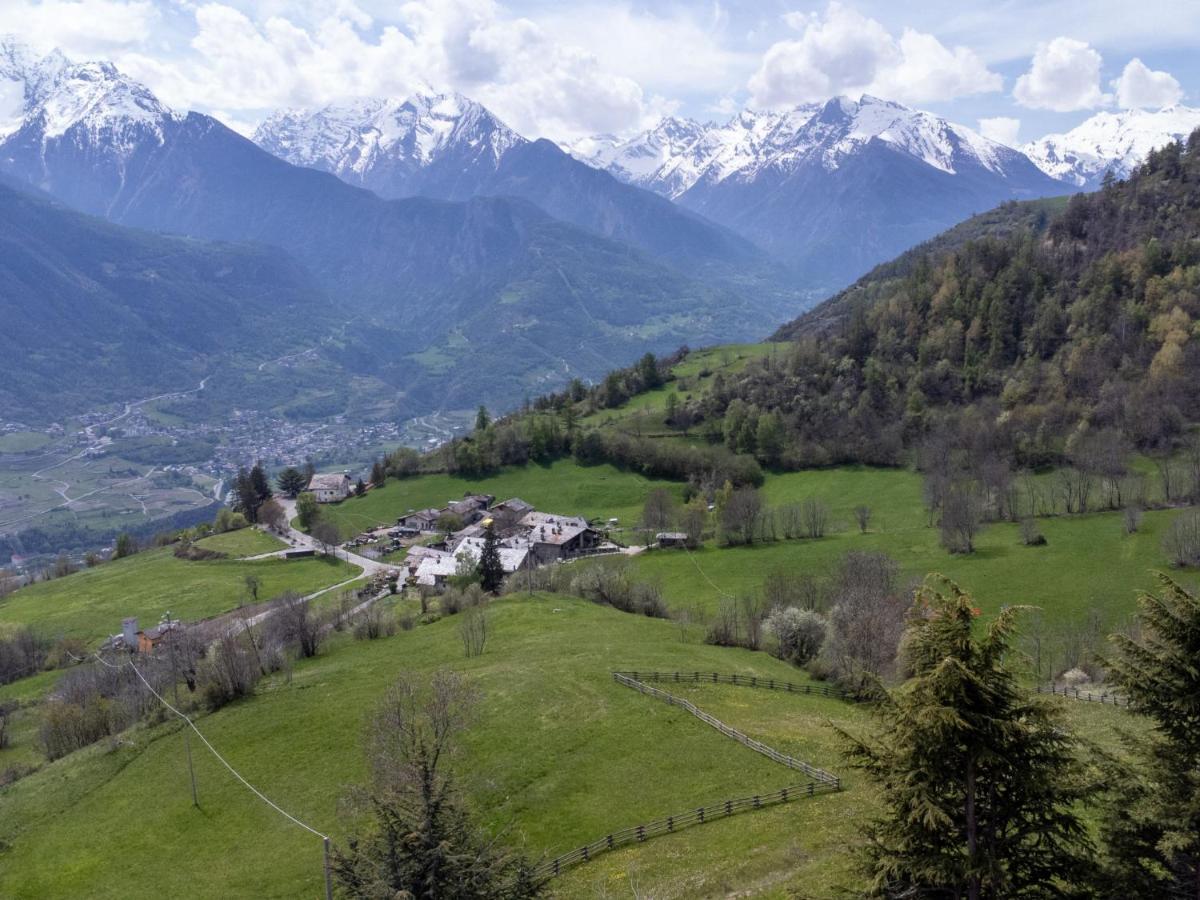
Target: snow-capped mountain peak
x=1118 y=141
x=676 y=155
x=383 y=143
x=25 y=79
x=49 y=95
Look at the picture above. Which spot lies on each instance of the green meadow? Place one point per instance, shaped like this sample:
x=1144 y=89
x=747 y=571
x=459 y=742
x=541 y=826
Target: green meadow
x=91 y=604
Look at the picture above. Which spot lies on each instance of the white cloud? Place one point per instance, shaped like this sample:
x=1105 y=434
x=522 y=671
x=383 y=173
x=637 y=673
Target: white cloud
x=540 y=86
x=844 y=52
x=80 y=27
x=1141 y=86
x=1002 y=129
x=680 y=49
x=1064 y=76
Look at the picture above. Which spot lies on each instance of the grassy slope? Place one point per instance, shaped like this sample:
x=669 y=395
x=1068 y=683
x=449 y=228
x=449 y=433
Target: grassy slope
x=243 y=542
x=594 y=492
x=90 y=604
x=1088 y=562
x=559 y=751
x=559 y=754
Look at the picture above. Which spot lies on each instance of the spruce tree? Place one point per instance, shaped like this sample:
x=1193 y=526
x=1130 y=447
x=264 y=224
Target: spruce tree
x=260 y=483
x=490 y=569
x=978 y=780
x=1151 y=824
x=291 y=481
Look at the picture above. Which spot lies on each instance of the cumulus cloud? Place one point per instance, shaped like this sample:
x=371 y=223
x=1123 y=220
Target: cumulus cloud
x=1140 y=86
x=845 y=52
x=81 y=27
x=1002 y=129
x=540 y=86
x=1064 y=76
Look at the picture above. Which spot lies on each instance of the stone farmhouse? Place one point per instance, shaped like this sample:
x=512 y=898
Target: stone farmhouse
x=330 y=488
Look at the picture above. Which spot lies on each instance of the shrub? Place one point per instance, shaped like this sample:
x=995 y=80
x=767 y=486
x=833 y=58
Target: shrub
x=1182 y=541
x=1031 y=534
x=798 y=633
x=229 y=673
x=374 y=622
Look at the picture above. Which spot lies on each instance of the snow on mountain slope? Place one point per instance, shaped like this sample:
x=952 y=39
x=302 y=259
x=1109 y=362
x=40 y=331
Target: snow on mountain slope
x=25 y=79
x=394 y=146
x=42 y=99
x=1119 y=141
x=678 y=154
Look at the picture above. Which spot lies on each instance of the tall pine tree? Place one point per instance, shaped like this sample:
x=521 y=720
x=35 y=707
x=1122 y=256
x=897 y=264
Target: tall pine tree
x=978 y=780
x=1152 y=819
x=490 y=569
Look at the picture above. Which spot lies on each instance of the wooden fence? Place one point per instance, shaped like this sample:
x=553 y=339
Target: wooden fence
x=671 y=824
x=1085 y=696
x=770 y=753
x=820 y=781
x=773 y=684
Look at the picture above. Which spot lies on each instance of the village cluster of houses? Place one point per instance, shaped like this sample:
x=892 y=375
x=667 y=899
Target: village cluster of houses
x=526 y=537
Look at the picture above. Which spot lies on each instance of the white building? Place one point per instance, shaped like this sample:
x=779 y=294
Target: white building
x=330 y=488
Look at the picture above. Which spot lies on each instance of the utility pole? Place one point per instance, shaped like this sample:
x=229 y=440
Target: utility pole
x=328 y=877
x=187 y=738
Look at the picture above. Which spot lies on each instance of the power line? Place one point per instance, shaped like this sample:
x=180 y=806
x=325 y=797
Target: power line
x=283 y=812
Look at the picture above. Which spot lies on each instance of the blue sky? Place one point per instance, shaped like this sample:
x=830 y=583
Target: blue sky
x=565 y=69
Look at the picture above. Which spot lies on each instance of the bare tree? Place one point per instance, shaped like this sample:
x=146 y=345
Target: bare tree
x=272 y=514
x=960 y=517
x=867 y=618
x=473 y=628
x=1182 y=540
x=1132 y=518
x=295 y=624
x=862 y=515
x=815 y=517
x=227 y=673
x=693 y=521
x=740 y=516
x=659 y=512
x=327 y=536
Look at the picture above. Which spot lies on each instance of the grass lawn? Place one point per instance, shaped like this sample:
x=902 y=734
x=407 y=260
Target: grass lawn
x=243 y=542
x=91 y=604
x=558 y=755
x=564 y=487
x=23 y=441
x=1087 y=564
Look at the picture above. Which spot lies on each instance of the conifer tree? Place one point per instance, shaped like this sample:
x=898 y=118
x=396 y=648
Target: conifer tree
x=491 y=570
x=260 y=483
x=291 y=481
x=1151 y=824
x=978 y=779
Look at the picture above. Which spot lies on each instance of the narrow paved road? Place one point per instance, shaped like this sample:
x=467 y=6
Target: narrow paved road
x=301 y=541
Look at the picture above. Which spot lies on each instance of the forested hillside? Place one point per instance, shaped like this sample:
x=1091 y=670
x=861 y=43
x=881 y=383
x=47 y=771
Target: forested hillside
x=1080 y=320
x=1037 y=334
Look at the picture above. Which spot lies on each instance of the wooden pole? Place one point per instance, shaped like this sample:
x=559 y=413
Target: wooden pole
x=328 y=874
x=187 y=738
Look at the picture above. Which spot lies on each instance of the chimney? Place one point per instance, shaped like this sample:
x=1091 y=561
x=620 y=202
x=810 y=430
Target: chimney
x=129 y=631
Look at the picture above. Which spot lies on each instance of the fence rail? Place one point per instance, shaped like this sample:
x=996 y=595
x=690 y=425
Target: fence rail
x=820 y=781
x=773 y=684
x=770 y=752
x=1085 y=696
x=671 y=824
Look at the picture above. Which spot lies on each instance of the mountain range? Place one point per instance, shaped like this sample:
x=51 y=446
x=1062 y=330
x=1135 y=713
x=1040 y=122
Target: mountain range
x=1116 y=142
x=460 y=301
x=481 y=265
